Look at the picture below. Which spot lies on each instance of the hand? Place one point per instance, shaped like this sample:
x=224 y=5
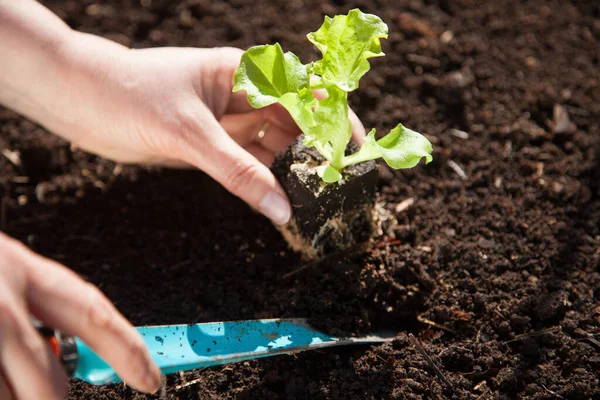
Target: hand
x=170 y=106
x=174 y=106
x=31 y=285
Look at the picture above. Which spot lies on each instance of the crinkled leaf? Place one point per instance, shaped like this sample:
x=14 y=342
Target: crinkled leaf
x=301 y=106
x=347 y=41
x=266 y=74
x=401 y=148
x=328 y=173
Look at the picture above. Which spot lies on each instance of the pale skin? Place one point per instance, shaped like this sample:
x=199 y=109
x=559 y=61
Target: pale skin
x=165 y=106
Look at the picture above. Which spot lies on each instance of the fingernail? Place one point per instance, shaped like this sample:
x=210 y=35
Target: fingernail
x=276 y=208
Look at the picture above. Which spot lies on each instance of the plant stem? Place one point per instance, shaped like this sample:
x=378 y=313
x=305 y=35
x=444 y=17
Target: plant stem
x=356 y=158
x=337 y=161
x=321 y=149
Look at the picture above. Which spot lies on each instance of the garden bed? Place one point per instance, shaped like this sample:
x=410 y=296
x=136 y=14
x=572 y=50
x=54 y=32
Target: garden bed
x=492 y=265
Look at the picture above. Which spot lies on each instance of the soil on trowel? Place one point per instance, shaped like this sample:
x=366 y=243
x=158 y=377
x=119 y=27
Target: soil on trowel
x=492 y=265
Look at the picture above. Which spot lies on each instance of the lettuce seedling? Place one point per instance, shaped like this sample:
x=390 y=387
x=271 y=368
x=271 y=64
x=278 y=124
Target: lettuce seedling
x=269 y=76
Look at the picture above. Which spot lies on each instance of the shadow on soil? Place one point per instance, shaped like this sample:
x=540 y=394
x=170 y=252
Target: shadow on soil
x=175 y=247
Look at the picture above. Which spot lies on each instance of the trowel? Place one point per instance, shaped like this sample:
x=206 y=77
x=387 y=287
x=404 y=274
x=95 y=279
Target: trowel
x=177 y=348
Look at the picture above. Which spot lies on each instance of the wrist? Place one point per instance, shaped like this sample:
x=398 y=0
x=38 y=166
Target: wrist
x=87 y=65
x=51 y=70
x=30 y=41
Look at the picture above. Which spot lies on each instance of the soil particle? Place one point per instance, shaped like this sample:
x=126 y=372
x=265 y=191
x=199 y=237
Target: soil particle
x=452 y=88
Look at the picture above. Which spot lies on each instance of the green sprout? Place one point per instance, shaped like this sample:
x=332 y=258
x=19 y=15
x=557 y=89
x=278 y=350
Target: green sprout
x=269 y=76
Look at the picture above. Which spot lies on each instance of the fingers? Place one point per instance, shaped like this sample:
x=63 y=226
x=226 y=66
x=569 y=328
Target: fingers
x=277 y=115
x=358 y=130
x=264 y=156
x=244 y=129
x=238 y=171
x=60 y=299
x=29 y=370
x=238 y=103
x=275 y=112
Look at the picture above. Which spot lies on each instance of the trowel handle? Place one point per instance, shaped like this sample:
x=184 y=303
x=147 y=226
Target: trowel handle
x=63 y=346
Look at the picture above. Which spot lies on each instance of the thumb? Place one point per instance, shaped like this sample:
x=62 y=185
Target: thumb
x=242 y=174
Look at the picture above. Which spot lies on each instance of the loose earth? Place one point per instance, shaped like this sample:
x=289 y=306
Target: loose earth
x=492 y=266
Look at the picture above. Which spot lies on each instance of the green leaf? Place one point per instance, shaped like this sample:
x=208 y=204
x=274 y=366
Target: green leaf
x=328 y=173
x=347 y=41
x=300 y=106
x=266 y=74
x=269 y=75
x=404 y=148
x=332 y=125
x=401 y=148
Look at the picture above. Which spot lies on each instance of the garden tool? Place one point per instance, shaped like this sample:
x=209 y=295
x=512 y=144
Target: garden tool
x=177 y=348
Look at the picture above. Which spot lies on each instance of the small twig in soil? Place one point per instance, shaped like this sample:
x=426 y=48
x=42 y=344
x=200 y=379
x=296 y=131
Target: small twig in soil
x=429 y=360
x=13 y=156
x=404 y=205
x=381 y=358
x=394 y=284
x=318 y=262
x=552 y=392
x=478 y=337
x=190 y=383
x=480 y=385
x=429 y=322
x=308 y=265
x=423 y=277
x=459 y=171
x=535 y=333
x=425 y=249
x=20 y=179
x=590 y=337
x=388 y=241
x=497 y=311
x=459 y=134
x=483 y=394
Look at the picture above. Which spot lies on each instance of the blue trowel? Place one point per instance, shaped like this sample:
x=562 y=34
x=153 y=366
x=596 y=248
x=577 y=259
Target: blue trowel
x=184 y=347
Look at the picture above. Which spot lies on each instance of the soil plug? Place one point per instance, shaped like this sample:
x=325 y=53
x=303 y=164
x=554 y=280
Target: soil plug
x=328 y=218
x=330 y=183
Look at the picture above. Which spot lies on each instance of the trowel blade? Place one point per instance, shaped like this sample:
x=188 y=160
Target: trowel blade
x=184 y=347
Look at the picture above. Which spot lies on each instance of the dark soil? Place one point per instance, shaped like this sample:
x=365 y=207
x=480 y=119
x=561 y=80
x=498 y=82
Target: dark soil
x=493 y=267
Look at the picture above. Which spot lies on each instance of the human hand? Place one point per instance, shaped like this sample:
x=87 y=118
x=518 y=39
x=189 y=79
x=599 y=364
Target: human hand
x=170 y=106
x=31 y=285
x=174 y=106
